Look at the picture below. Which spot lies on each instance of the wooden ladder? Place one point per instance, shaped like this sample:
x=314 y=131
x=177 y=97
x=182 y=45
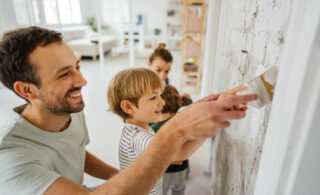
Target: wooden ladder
x=192 y=34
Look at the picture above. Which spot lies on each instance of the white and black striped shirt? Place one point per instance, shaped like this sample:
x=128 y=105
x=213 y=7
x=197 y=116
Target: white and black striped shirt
x=133 y=141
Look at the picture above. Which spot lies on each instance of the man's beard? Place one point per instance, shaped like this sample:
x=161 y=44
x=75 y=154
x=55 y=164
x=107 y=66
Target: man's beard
x=61 y=107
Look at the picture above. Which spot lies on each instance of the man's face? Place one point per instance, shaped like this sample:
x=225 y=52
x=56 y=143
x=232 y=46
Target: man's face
x=60 y=79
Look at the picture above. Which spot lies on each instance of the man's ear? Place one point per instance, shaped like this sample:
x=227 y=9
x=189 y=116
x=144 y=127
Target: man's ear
x=127 y=107
x=25 y=90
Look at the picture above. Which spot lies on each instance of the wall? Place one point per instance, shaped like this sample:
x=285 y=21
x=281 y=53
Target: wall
x=155 y=13
x=307 y=177
x=251 y=37
x=8 y=17
x=88 y=9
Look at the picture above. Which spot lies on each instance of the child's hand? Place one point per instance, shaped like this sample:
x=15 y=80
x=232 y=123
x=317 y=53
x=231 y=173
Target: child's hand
x=185 y=99
x=231 y=93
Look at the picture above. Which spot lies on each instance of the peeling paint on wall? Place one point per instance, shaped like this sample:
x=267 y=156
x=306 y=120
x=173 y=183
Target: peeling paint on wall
x=253 y=36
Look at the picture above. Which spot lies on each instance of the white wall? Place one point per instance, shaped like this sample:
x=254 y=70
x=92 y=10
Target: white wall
x=154 y=11
x=1 y=20
x=290 y=158
x=250 y=40
x=8 y=17
x=88 y=9
x=307 y=178
x=308 y=171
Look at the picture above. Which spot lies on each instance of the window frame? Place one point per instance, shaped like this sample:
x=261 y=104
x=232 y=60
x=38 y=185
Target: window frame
x=31 y=12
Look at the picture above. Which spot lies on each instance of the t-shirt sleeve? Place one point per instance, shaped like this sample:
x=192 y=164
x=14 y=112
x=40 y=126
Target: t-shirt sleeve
x=141 y=141
x=21 y=173
x=83 y=119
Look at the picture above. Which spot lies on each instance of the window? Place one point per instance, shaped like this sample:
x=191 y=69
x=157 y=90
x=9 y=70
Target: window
x=48 y=12
x=21 y=11
x=69 y=11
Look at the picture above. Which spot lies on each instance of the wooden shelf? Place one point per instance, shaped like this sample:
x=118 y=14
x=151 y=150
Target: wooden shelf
x=190 y=73
x=190 y=83
x=188 y=40
x=192 y=35
x=188 y=2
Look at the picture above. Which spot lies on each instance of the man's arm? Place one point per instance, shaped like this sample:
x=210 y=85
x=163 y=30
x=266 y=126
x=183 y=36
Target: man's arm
x=142 y=174
x=97 y=168
x=187 y=149
x=190 y=147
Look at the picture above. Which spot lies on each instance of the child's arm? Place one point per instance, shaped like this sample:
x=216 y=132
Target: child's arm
x=187 y=149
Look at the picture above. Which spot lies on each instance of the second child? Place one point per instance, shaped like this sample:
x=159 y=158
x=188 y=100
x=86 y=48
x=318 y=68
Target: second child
x=175 y=176
x=134 y=95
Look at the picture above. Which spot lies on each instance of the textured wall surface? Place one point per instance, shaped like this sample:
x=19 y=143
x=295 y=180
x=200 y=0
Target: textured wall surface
x=251 y=40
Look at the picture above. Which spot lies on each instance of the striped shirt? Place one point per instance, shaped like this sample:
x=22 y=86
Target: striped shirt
x=133 y=141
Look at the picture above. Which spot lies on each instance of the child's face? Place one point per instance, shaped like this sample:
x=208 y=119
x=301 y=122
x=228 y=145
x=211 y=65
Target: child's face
x=149 y=108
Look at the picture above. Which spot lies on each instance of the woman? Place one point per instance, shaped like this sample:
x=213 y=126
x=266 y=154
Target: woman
x=160 y=61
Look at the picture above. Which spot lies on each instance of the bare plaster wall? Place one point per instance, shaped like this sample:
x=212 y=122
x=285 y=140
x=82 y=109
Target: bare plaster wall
x=251 y=40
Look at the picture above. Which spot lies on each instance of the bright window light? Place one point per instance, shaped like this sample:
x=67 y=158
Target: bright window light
x=36 y=12
x=69 y=11
x=21 y=11
x=50 y=11
x=75 y=11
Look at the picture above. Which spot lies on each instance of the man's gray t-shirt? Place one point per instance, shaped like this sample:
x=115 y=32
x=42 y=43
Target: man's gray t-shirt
x=31 y=159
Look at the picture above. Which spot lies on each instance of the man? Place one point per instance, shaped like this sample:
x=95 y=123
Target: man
x=43 y=148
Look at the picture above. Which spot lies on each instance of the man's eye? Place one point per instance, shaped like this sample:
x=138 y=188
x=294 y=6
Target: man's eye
x=153 y=98
x=64 y=75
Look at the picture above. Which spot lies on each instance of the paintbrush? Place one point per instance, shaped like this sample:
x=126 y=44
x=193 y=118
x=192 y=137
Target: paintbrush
x=262 y=85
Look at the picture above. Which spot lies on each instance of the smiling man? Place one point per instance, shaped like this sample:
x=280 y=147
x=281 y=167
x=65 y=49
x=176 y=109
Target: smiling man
x=46 y=140
x=42 y=147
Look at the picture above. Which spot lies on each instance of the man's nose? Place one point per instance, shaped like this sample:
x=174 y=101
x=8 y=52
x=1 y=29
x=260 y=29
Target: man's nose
x=81 y=81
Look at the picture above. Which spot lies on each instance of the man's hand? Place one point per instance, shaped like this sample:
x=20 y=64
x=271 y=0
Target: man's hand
x=233 y=92
x=204 y=118
x=210 y=97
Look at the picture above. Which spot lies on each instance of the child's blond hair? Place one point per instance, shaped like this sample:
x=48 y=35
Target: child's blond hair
x=130 y=85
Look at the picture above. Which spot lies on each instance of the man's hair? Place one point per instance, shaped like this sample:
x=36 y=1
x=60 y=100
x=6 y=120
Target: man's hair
x=172 y=99
x=161 y=52
x=15 y=48
x=130 y=85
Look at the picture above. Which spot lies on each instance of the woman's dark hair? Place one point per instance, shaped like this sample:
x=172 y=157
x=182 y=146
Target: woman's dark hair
x=161 y=52
x=15 y=48
x=172 y=98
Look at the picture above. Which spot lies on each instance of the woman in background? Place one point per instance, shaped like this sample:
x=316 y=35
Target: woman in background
x=160 y=61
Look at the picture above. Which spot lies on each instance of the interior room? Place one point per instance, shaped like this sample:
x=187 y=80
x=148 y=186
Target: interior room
x=215 y=45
